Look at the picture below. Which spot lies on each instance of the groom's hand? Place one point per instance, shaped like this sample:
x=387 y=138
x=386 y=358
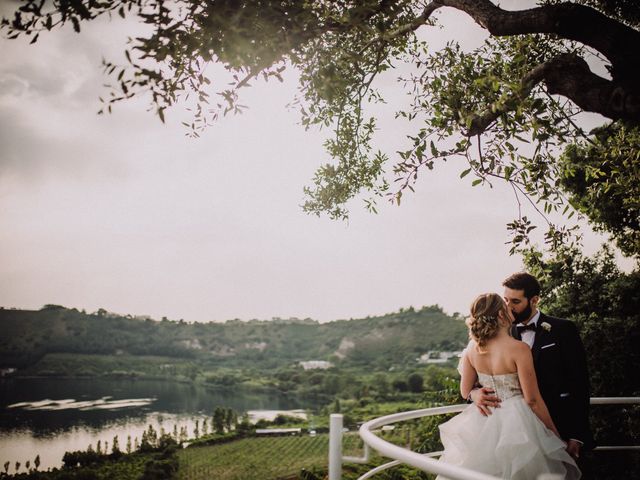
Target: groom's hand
x=573 y=448
x=484 y=398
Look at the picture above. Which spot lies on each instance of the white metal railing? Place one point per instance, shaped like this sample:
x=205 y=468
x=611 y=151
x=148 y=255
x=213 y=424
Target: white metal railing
x=425 y=462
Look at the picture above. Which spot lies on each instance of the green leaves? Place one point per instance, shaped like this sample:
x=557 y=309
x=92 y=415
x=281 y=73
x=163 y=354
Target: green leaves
x=460 y=91
x=434 y=150
x=76 y=24
x=358 y=169
x=602 y=178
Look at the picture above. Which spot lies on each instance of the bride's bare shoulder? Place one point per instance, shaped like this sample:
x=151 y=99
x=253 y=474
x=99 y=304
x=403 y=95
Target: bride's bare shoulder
x=471 y=349
x=518 y=347
x=472 y=346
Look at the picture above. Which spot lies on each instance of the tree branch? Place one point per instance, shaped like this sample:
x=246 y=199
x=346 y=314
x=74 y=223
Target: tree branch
x=618 y=42
x=415 y=23
x=568 y=75
x=412 y=26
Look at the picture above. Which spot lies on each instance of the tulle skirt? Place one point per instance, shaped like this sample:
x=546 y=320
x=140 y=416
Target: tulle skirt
x=512 y=443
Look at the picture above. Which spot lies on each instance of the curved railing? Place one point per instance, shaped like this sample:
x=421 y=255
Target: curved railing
x=425 y=462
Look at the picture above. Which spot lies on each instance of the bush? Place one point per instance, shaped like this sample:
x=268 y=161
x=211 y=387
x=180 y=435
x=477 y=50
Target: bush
x=400 y=385
x=415 y=382
x=287 y=419
x=164 y=465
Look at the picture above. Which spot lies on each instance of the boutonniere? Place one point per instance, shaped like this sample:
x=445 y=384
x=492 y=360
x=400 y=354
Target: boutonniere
x=546 y=326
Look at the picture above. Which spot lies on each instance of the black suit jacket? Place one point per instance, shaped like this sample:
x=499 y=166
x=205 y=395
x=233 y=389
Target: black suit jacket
x=561 y=369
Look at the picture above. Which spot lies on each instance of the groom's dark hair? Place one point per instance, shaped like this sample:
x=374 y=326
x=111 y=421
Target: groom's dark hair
x=523 y=281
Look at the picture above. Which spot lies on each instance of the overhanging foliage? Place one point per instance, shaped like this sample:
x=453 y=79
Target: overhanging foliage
x=508 y=108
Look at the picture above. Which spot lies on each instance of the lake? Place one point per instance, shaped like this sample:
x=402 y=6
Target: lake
x=47 y=417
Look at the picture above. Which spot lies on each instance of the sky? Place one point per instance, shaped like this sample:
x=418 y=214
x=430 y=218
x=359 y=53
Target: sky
x=125 y=213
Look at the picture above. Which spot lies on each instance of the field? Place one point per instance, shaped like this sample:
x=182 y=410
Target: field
x=259 y=458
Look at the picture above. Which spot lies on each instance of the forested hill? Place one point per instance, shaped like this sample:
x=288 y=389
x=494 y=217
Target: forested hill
x=396 y=337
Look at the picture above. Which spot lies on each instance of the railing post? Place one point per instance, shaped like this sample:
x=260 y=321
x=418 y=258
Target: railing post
x=335 y=446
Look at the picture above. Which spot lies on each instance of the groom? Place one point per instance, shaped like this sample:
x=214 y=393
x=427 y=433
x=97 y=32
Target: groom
x=559 y=361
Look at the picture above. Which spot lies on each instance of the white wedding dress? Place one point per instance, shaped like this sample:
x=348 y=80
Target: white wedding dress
x=512 y=443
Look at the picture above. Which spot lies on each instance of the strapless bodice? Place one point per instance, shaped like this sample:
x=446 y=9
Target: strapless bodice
x=506 y=385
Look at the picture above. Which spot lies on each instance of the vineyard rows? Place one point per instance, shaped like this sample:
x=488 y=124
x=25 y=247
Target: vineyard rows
x=254 y=458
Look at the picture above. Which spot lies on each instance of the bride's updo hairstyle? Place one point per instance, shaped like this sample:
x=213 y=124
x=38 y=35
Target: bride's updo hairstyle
x=484 y=323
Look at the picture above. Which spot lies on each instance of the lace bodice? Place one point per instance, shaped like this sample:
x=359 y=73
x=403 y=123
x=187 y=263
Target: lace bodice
x=506 y=385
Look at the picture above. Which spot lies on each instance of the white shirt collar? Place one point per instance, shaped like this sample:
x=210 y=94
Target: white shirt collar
x=534 y=319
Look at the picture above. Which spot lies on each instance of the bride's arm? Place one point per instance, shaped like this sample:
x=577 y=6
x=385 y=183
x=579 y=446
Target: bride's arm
x=469 y=376
x=529 y=384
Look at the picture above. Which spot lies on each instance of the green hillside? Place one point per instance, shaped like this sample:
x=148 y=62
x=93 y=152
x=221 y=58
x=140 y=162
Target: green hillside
x=396 y=338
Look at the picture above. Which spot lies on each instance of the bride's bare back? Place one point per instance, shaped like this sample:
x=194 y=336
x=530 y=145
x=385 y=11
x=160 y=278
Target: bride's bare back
x=497 y=357
x=503 y=355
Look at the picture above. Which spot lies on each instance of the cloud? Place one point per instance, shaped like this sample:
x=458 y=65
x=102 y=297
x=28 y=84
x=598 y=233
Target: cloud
x=48 y=109
x=20 y=150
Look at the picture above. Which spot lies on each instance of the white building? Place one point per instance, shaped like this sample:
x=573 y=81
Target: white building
x=438 y=357
x=316 y=365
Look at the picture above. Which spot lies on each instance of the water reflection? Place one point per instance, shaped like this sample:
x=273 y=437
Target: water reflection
x=22 y=445
x=104 y=403
x=44 y=411
x=51 y=416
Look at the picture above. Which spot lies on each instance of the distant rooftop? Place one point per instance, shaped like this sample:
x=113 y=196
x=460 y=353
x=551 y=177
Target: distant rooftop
x=316 y=365
x=438 y=357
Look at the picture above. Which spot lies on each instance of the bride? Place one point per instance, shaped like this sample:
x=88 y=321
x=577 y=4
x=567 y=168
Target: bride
x=519 y=441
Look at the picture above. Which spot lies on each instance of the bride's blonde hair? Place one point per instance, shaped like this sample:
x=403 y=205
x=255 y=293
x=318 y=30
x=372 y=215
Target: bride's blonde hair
x=484 y=323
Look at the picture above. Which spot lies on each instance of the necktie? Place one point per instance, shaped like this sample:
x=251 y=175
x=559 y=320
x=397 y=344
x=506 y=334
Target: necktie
x=523 y=328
